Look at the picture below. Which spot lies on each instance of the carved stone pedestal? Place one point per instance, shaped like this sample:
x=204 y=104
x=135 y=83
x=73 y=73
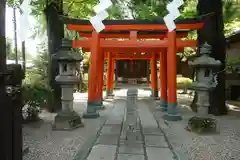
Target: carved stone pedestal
x=67 y=121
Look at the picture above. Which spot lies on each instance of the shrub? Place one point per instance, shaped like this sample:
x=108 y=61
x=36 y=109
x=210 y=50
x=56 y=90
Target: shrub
x=183 y=82
x=202 y=125
x=36 y=92
x=84 y=87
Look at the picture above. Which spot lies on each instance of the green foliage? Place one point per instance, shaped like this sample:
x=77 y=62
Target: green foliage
x=41 y=62
x=14 y=3
x=137 y=9
x=202 y=125
x=36 y=91
x=231 y=26
x=230 y=11
x=189 y=9
x=10 y=52
x=35 y=95
x=183 y=82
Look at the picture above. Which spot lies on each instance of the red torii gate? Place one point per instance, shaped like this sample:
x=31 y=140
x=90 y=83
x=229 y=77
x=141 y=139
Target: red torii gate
x=131 y=52
x=164 y=46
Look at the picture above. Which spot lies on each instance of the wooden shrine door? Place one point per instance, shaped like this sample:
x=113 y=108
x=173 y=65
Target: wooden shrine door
x=132 y=69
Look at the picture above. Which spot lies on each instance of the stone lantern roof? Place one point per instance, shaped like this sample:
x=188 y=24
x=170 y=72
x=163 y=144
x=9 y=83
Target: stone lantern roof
x=65 y=53
x=204 y=60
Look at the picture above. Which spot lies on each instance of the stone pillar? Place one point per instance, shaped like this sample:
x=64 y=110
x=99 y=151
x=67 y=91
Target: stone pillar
x=131 y=127
x=203 y=103
x=67 y=118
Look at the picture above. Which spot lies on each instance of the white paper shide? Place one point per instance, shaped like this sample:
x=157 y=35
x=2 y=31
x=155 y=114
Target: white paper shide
x=173 y=14
x=101 y=14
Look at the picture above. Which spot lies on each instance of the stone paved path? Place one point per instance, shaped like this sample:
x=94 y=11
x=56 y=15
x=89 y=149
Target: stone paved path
x=111 y=145
x=45 y=144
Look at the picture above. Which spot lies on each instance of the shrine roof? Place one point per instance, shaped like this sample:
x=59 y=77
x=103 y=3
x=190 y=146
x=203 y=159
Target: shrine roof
x=67 y=20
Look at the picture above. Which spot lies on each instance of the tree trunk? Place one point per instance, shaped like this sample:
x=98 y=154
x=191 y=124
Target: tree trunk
x=213 y=34
x=55 y=30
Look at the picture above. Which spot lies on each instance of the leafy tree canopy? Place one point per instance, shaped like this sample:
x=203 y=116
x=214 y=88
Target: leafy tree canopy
x=133 y=9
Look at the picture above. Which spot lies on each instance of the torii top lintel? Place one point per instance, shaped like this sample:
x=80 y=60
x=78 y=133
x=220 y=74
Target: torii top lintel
x=140 y=34
x=142 y=28
x=134 y=25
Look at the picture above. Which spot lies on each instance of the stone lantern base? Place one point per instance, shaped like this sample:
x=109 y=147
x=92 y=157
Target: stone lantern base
x=67 y=121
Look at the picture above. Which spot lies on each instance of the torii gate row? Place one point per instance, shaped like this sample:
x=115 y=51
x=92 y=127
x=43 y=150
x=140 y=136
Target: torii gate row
x=168 y=61
x=130 y=53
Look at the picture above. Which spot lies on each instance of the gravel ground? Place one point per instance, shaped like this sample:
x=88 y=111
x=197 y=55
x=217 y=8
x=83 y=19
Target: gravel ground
x=45 y=144
x=224 y=145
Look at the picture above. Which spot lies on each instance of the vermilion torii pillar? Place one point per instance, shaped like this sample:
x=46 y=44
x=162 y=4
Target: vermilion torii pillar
x=93 y=96
x=163 y=80
x=109 y=70
x=99 y=81
x=154 y=76
x=172 y=113
x=112 y=77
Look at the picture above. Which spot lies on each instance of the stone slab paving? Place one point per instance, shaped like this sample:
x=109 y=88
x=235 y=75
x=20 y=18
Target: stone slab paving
x=155 y=141
x=105 y=147
x=131 y=149
x=150 y=143
x=156 y=144
x=130 y=157
x=108 y=139
x=103 y=152
x=45 y=144
x=159 y=153
x=111 y=129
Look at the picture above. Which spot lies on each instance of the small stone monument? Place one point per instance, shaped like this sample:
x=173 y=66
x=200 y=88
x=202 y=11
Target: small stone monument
x=206 y=80
x=67 y=118
x=131 y=129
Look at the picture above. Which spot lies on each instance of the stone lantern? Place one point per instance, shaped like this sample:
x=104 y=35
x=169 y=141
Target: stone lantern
x=205 y=78
x=67 y=118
